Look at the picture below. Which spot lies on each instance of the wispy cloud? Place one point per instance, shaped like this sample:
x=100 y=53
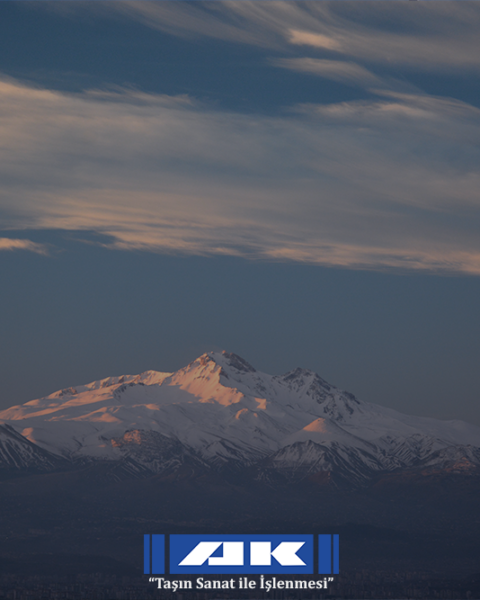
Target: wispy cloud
x=432 y=36
x=372 y=184
x=317 y=40
x=336 y=70
x=426 y=35
x=21 y=244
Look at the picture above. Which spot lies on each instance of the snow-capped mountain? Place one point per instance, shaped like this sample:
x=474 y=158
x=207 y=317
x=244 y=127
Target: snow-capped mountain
x=219 y=412
x=18 y=453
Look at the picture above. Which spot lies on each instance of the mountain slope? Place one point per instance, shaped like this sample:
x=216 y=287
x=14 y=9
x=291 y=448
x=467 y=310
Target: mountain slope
x=19 y=454
x=220 y=412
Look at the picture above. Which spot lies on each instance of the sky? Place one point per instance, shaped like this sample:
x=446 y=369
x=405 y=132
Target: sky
x=295 y=182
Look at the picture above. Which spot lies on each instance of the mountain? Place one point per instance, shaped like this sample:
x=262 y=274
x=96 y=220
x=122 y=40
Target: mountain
x=220 y=415
x=19 y=454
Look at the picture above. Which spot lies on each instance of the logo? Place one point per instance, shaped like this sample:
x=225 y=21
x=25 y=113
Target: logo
x=154 y=554
x=242 y=554
x=328 y=554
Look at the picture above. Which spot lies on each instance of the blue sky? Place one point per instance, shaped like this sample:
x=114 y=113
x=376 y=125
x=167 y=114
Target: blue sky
x=294 y=182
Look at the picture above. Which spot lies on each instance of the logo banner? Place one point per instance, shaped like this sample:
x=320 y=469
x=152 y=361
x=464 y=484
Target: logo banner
x=230 y=554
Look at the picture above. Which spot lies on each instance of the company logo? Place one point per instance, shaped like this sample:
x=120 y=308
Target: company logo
x=328 y=554
x=248 y=554
x=241 y=554
x=154 y=554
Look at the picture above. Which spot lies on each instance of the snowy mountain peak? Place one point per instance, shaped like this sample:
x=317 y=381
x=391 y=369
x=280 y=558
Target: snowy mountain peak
x=218 y=410
x=215 y=364
x=306 y=381
x=224 y=363
x=233 y=361
x=214 y=376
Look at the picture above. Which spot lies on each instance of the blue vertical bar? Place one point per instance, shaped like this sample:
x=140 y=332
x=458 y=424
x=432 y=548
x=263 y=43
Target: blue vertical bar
x=146 y=554
x=158 y=554
x=324 y=554
x=336 y=554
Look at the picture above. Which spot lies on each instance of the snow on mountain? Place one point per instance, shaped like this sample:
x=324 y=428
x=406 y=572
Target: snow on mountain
x=220 y=410
x=17 y=453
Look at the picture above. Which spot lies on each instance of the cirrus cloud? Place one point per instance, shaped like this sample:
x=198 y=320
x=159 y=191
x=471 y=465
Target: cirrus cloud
x=439 y=36
x=336 y=70
x=11 y=244
x=366 y=184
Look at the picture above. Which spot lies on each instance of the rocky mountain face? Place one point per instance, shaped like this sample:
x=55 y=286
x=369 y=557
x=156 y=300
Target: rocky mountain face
x=19 y=455
x=220 y=416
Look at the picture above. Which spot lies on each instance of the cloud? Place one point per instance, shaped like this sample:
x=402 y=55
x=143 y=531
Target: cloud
x=431 y=35
x=15 y=244
x=317 y=40
x=194 y=20
x=390 y=183
x=336 y=70
x=349 y=42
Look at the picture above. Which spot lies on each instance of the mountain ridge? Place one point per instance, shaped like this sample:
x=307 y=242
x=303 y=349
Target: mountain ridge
x=219 y=412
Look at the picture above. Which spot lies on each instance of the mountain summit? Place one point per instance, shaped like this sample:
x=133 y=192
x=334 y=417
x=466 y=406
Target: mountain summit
x=219 y=412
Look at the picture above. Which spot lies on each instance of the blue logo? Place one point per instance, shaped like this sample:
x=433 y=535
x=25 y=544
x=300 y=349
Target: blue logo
x=328 y=554
x=154 y=554
x=249 y=554
x=263 y=554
